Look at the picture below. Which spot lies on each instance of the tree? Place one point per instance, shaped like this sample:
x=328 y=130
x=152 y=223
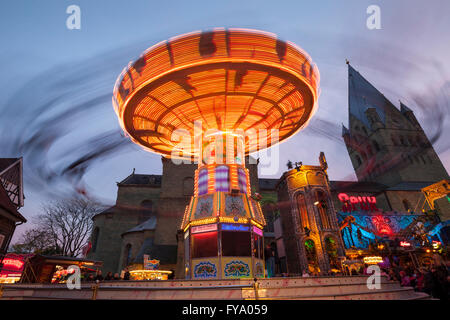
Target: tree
x=35 y=241
x=68 y=223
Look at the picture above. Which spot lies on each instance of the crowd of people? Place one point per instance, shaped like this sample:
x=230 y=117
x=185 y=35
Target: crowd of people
x=98 y=276
x=433 y=279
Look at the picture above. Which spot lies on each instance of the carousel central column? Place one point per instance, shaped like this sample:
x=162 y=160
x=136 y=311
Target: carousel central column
x=223 y=225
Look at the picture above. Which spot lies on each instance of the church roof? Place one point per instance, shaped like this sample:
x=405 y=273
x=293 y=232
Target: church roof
x=6 y=203
x=356 y=186
x=6 y=162
x=149 y=224
x=410 y=186
x=142 y=179
x=404 y=108
x=362 y=95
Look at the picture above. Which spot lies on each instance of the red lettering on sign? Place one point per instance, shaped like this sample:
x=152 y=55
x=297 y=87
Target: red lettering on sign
x=365 y=203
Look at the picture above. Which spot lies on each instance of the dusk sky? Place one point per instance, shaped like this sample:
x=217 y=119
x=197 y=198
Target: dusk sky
x=407 y=60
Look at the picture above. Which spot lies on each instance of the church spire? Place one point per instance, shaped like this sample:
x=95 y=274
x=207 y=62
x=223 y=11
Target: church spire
x=362 y=95
x=404 y=108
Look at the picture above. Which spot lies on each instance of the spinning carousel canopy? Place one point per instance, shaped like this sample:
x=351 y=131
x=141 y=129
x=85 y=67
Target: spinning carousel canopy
x=231 y=80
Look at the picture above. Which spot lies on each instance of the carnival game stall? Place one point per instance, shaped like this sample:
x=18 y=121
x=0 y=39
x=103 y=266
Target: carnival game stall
x=53 y=269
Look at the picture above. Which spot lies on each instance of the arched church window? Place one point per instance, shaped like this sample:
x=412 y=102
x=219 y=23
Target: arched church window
x=406 y=204
x=322 y=206
x=127 y=254
x=302 y=211
x=203 y=182
x=331 y=249
x=95 y=235
x=222 y=179
x=146 y=210
x=311 y=256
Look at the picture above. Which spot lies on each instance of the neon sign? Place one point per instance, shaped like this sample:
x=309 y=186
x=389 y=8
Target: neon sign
x=234 y=227
x=13 y=263
x=405 y=244
x=258 y=231
x=350 y=202
x=373 y=260
x=204 y=228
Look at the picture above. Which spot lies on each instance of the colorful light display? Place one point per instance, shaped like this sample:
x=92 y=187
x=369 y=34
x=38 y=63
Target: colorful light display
x=215 y=97
x=246 y=79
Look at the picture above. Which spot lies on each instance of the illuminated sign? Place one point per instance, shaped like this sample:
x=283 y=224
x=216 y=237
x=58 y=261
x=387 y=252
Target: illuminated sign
x=234 y=227
x=373 y=260
x=436 y=244
x=350 y=203
x=204 y=228
x=405 y=244
x=13 y=263
x=258 y=231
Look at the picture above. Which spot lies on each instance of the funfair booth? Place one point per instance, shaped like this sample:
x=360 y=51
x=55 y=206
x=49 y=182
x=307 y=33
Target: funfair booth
x=215 y=97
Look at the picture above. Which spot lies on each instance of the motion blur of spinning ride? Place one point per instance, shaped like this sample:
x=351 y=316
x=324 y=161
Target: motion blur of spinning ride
x=215 y=97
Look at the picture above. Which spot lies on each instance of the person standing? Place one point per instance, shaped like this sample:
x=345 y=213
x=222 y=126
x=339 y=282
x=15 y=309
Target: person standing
x=270 y=261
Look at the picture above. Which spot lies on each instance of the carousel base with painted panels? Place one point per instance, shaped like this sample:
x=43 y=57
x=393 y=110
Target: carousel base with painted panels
x=223 y=235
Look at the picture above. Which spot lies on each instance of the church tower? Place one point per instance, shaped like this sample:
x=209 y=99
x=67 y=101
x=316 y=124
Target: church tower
x=385 y=144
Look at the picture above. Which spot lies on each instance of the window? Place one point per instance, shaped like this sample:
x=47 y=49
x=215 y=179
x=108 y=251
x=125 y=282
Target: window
x=242 y=177
x=406 y=205
x=146 y=210
x=311 y=256
x=302 y=211
x=322 y=207
x=236 y=243
x=127 y=254
x=95 y=235
x=222 y=179
x=203 y=182
x=204 y=244
x=331 y=249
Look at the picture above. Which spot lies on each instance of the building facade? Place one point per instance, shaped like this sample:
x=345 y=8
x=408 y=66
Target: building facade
x=11 y=199
x=312 y=222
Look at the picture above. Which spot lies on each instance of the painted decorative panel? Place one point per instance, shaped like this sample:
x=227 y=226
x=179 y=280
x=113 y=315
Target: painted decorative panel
x=204 y=207
x=234 y=206
x=259 y=269
x=205 y=270
x=236 y=268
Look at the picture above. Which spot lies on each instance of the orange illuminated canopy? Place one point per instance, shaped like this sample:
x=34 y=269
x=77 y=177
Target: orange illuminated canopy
x=228 y=79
